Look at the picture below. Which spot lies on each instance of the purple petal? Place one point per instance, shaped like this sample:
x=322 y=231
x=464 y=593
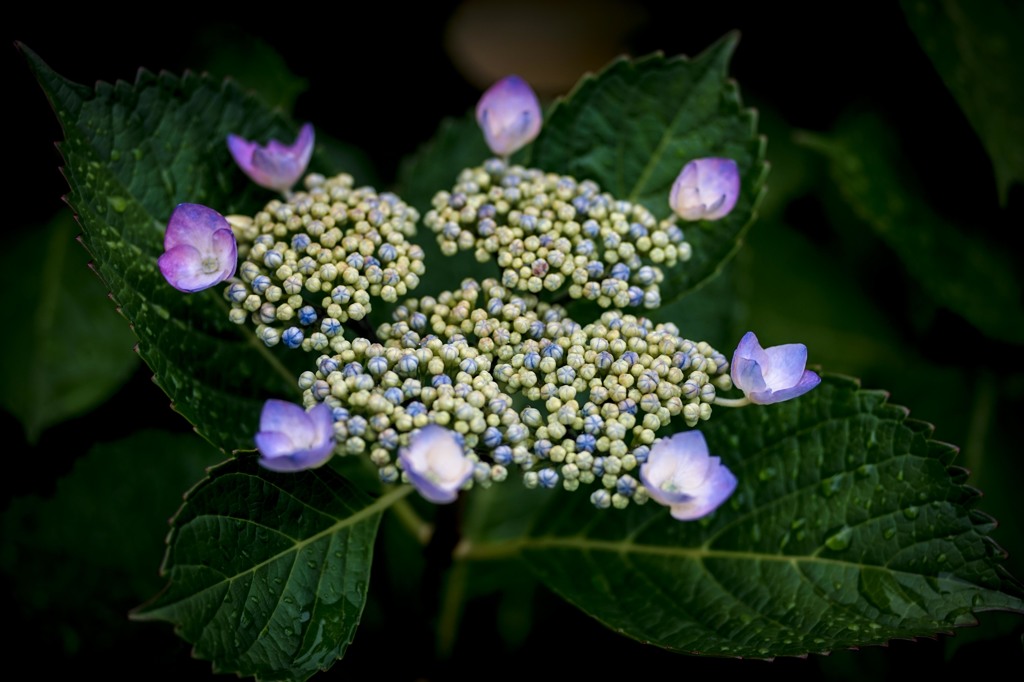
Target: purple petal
x=276 y=165
x=291 y=439
x=808 y=380
x=509 y=115
x=285 y=417
x=747 y=364
x=272 y=444
x=182 y=267
x=715 y=490
x=193 y=225
x=785 y=365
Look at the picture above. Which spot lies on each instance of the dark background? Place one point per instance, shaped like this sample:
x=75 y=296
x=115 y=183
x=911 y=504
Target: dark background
x=380 y=79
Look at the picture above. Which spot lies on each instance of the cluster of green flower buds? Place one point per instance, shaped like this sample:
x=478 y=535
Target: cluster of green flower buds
x=551 y=232
x=521 y=384
x=313 y=262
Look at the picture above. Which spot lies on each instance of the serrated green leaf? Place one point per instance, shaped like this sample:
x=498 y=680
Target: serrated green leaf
x=268 y=572
x=133 y=152
x=848 y=528
x=632 y=128
x=73 y=352
x=978 y=49
x=961 y=272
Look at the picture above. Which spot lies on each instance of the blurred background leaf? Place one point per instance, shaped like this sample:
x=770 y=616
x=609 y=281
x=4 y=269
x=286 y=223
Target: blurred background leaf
x=76 y=562
x=978 y=49
x=73 y=350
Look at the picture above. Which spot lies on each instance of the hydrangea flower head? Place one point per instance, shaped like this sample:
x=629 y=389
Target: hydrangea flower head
x=199 y=249
x=291 y=439
x=680 y=474
x=436 y=464
x=771 y=375
x=509 y=115
x=706 y=189
x=276 y=165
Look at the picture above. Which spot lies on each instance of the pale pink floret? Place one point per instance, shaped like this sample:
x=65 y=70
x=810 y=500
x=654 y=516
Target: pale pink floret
x=509 y=115
x=199 y=249
x=277 y=165
x=680 y=474
x=773 y=374
x=436 y=464
x=706 y=189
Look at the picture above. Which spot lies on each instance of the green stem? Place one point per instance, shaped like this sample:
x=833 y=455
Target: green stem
x=489 y=551
x=417 y=527
x=981 y=417
x=732 y=402
x=262 y=349
x=451 y=609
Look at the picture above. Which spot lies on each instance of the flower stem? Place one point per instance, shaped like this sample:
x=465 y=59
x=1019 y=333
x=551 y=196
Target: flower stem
x=731 y=402
x=261 y=348
x=417 y=527
x=451 y=609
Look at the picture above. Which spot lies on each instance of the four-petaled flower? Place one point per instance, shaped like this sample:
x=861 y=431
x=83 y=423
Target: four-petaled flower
x=680 y=474
x=199 y=249
x=436 y=463
x=706 y=189
x=291 y=439
x=509 y=115
x=277 y=165
x=771 y=375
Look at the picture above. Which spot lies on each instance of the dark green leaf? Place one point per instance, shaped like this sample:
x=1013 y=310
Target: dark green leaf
x=268 y=572
x=848 y=528
x=133 y=152
x=632 y=128
x=458 y=144
x=74 y=352
x=88 y=554
x=958 y=270
x=978 y=49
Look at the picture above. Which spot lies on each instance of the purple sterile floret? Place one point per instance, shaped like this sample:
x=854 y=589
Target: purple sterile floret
x=509 y=115
x=706 y=189
x=291 y=439
x=199 y=249
x=277 y=165
x=680 y=474
x=436 y=464
x=773 y=374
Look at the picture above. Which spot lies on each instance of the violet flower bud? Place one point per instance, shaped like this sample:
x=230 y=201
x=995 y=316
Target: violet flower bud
x=199 y=249
x=706 y=189
x=291 y=439
x=680 y=474
x=509 y=115
x=436 y=464
x=771 y=375
x=276 y=165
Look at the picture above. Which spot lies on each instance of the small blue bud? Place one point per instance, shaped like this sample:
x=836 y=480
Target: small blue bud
x=415 y=408
x=408 y=364
x=357 y=425
x=292 y=337
x=531 y=360
x=300 y=241
x=548 y=478
x=273 y=259
x=440 y=380
x=377 y=365
x=502 y=455
x=341 y=295
x=352 y=369
x=330 y=326
x=307 y=315
x=636 y=296
x=492 y=437
x=626 y=485
x=620 y=271
x=601 y=499
x=586 y=442
x=542 y=448
x=394 y=395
